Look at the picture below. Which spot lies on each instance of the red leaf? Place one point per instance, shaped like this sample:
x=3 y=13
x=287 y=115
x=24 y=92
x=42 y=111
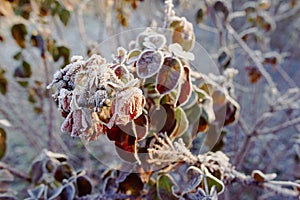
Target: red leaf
x=168 y=75
x=184 y=88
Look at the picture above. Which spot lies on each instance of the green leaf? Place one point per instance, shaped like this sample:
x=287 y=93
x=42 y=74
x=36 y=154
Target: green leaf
x=52 y=49
x=2 y=142
x=19 y=32
x=200 y=15
x=213 y=181
x=3 y=82
x=23 y=71
x=168 y=75
x=164 y=187
x=65 y=53
x=23 y=83
x=64 y=16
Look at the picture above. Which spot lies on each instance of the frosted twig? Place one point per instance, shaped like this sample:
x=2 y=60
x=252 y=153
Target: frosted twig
x=279 y=127
x=15 y=172
x=253 y=56
x=169 y=12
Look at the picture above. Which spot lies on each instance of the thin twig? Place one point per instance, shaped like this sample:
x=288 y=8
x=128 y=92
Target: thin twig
x=280 y=127
x=51 y=109
x=288 y=14
x=169 y=12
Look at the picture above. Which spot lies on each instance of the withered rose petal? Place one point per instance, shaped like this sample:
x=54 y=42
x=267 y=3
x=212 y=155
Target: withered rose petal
x=77 y=123
x=127 y=106
x=67 y=124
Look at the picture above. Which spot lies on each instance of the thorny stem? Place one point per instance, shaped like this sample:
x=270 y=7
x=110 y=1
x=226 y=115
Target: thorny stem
x=253 y=57
x=15 y=172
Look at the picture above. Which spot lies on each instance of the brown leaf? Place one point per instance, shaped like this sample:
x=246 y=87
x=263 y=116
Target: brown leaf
x=19 y=33
x=253 y=73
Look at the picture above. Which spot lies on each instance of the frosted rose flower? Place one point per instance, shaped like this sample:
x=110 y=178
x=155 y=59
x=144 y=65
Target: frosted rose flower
x=128 y=105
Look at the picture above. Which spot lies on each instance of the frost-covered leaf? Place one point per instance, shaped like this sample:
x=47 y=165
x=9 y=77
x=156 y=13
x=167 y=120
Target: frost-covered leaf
x=120 y=58
x=68 y=193
x=213 y=181
x=168 y=75
x=232 y=111
x=207 y=113
x=132 y=185
x=149 y=63
x=122 y=73
x=158 y=117
x=133 y=56
x=157 y=41
x=179 y=52
x=63 y=171
x=198 y=195
x=185 y=87
x=84 y=186
x=194 y=177
x=58 y=156
x=36 y=171
x=183 y=32
x=259 y=176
